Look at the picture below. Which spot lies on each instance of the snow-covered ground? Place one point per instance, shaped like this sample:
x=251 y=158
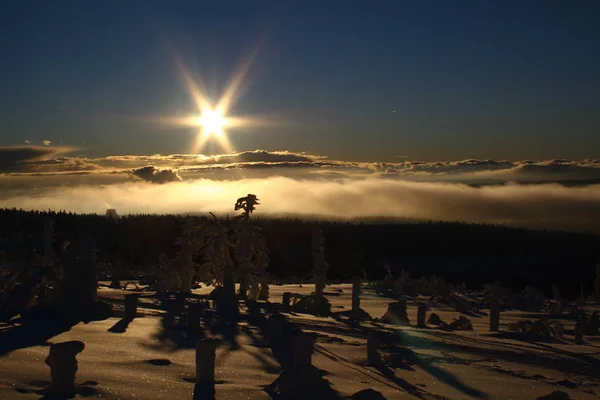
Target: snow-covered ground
x=142 y=361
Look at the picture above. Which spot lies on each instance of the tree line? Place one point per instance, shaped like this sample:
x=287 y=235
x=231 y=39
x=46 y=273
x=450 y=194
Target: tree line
x=473 y=253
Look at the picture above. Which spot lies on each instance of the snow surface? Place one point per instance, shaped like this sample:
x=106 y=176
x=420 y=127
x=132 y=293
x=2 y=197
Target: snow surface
x=145 y=362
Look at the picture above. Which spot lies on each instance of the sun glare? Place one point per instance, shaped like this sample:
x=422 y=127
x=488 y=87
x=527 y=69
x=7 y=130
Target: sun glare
x=212 y=122
x=212 y=117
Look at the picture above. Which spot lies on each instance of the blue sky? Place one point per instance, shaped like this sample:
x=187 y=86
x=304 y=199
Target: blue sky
x=354 y=80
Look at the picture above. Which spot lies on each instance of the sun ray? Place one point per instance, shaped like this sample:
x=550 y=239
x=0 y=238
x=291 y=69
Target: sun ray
x=201 y=141
x=233 y=89
x=195 y=87
x=212 y=117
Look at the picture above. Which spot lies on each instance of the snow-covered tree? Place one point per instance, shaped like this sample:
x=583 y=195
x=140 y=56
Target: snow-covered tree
x=218 y=265
x=250 y=248
x=8 y=281
x=189 y=244
x=215 y=249
x=259 y=283
x=598 y=283
x=247 y=204
x=262 y=283
x=167 y=278
x=389 y=276
x=401 y=282
x=251 y=256
x=319 y=263
x=49 y=256
x=177 y=275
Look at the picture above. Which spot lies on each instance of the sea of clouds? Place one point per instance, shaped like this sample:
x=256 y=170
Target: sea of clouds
x=552 y=206
x=554 y=194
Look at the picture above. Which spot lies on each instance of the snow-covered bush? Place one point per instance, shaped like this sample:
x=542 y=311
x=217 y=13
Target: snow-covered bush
x=217 y=266
x=319 y=264
x=598 y=283
x=8 y=281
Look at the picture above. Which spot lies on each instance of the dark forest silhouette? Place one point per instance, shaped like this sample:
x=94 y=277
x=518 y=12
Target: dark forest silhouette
x=473 y=253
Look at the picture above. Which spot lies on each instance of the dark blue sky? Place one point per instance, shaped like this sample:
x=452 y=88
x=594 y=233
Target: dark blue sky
x=466 y=79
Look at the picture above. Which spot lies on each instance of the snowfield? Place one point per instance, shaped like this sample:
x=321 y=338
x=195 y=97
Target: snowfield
x=142 y=360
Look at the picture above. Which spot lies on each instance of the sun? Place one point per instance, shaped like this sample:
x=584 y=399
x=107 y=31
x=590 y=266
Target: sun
x=212 y=118
x=212 y=122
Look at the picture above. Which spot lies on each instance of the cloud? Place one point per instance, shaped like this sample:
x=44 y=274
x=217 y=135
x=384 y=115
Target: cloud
x=250 y=158
x=154 y=175
x=46 y=142
x=31 y=159
x=263 y=156
x=490 y=171
x=60 y=165
x=42 y=177
x=281 y=162
x=550 y=206
x=275 y=163
x=441 y=167
x=28 y=141
x=14 y=158
x=559 y=169
x=188 y=163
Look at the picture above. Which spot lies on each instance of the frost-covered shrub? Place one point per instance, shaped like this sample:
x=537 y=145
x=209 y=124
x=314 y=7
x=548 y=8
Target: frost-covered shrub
x=598 y=283
x=319 y=264
x=313 y=305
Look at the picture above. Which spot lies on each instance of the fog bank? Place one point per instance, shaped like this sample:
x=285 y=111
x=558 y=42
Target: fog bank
x=541 y=206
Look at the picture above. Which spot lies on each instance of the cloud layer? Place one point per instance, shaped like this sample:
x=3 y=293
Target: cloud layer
x=14 y=159
x=48 y=160
x=43 y=177
x=41 y=159
x=155 y=175
x=540 y=206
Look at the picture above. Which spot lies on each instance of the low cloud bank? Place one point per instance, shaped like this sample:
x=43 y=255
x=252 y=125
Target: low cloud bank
x=32 y=160
x=41 y=159
x=549 y=206
x=13 y=158
x=156 y=175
